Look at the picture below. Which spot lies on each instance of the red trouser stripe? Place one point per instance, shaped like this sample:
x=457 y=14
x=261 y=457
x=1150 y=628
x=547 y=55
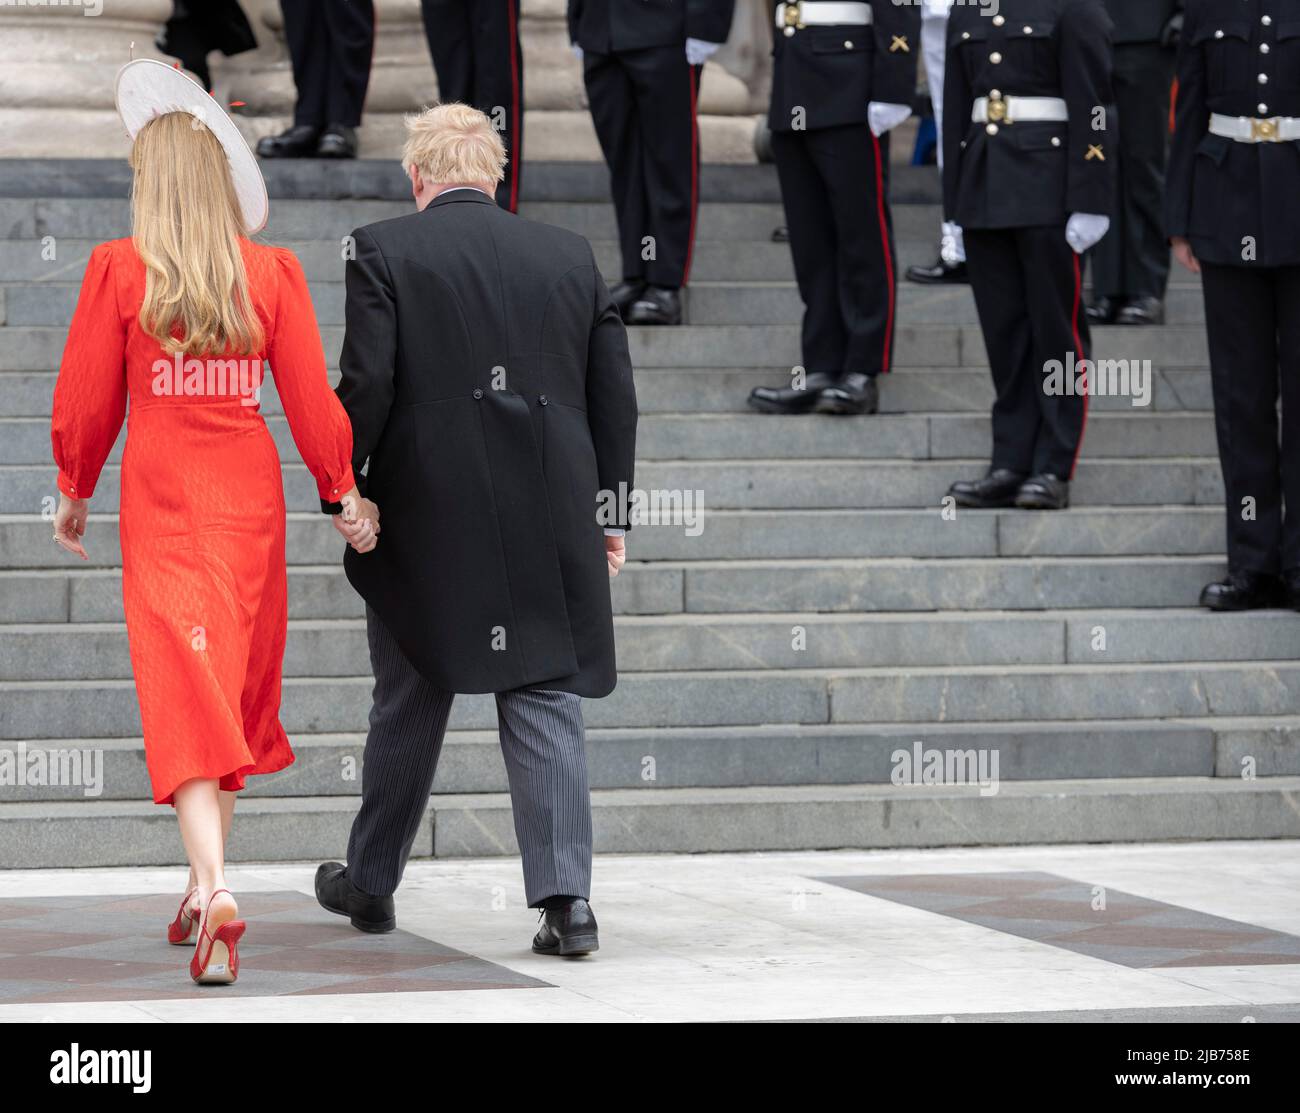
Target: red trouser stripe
x=884 y=244
x=517 y=147
x=1081 y=355
x=695 y=178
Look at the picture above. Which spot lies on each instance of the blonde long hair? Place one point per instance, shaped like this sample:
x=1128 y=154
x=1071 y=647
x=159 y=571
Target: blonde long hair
x=187 y=225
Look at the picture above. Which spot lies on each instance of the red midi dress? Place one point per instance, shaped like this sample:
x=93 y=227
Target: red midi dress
x=202 y=506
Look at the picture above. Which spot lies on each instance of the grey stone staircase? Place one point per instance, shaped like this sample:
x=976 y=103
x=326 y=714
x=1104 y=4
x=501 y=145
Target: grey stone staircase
x=980 y=633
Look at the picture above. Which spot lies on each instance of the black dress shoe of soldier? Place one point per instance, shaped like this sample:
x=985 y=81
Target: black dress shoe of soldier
x=791 y=399
x=336 y=893
x=567 y=930
x=998 y=488
x=1243 y=591
x=625 y=293
x=938 y=273
x=338 y=141
x=657 y=305
x=1142 y=311
x=855 y=393
x=298 y=142
x=1103 y=311
x=1044 y=492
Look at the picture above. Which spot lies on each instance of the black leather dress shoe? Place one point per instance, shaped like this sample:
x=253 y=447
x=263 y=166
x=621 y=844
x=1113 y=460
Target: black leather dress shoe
x=567 y=930
x=1044 y=492
x=298 y=142
x=1103 y=311
x=1242 y=591
x=657 y=305
x=855 y=393
x=625 y=293
x=337 y=141
x=1291 y=588
x=790 y=399
x=998 y=488
x=938 y=273
x=1141 y=311
x=781 y=234
x=336 y=893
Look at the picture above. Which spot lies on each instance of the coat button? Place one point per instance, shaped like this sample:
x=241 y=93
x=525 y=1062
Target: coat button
x=1263 y=109
x=848 y=44
x=1056 y=140
x=478 y=393
x=995 y=58
x=543 y=400
x=1218 y=34
x=999 y=20
x=1263 y=48
x=992 y=129
x=965 y=35
x=1263 y=79
x=1266 y=20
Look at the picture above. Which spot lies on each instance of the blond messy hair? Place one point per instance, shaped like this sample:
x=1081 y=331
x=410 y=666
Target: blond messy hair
x=454 y=143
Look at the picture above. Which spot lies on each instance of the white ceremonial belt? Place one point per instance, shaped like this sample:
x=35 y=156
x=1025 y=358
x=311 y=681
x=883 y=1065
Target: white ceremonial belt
x=808 y=13
x=1017 y=110
x=1252 y=129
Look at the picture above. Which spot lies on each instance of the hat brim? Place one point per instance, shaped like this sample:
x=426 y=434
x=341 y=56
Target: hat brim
x=147 y=88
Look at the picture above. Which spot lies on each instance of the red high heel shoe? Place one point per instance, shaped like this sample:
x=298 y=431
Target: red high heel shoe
x=180 y=930
x=216 y=956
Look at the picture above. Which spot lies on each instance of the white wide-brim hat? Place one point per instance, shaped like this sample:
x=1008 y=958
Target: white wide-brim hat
x=147 y=88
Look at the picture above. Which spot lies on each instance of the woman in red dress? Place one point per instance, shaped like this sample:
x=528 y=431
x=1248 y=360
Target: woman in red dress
x=179 y=319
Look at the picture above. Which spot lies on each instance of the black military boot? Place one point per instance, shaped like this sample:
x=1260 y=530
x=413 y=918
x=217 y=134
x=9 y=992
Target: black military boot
x=998 y=488
x=1243 y=591
x=657 y=305
x=1044 y=492
x=625 y=293
x=568 y=929
x=338 y=141
x=1141 y=311
x=854 y=393
x=298 y=141
x=791 y=399
x=336 y=893
x=939 y=273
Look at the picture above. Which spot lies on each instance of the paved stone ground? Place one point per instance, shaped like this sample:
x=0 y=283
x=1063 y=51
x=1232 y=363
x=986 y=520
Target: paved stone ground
x=1185 y=932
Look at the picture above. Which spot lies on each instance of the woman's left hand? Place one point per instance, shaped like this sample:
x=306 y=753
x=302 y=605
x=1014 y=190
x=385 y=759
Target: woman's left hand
x=70 y=524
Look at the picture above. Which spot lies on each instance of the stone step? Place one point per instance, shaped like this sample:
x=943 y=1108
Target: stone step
x=836 y=483
x=70 y=594
x=640 y=820
x=740 y=697
x=760 y=437
x=715 y=757
x=715 y=642
x=907 y=390
x=772 y=535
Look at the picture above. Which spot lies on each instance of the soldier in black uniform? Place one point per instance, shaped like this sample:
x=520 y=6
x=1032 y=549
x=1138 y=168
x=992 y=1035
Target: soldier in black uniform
x=838 y=88
x=478 y=59
x=330 y=45
x=1130 y=267
x=1233 y=211
x=1028 y=176
x=642 y=61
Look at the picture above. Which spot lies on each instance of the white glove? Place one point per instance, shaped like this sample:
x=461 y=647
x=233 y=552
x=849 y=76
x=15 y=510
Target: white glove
x=1084 y=230
x=577 y=51
x=952 y=247
x=698 y=51
x=886 y=117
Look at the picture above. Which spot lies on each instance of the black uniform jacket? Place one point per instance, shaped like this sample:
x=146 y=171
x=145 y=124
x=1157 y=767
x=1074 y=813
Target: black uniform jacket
x=824 y=76
x=487 y=377
x=1227 y=197
x=609 y=26
x=1141 y=21
x=1029 y=174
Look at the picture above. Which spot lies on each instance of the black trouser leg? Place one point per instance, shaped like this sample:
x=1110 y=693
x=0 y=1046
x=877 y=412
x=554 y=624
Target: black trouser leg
x=618 y=127
x=811 y=223
x=351 y=26
x=1241 y=322
x=1132 y=260
x=306 y=34
x=1288 y=317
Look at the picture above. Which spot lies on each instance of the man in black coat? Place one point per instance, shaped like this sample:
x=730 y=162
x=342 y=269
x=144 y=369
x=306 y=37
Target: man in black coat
x=1028 y=177
x=1130 y=267
x=843 y=77
x=479 y=61
x=1233 y=212
x=486 y=374
x=642 y=61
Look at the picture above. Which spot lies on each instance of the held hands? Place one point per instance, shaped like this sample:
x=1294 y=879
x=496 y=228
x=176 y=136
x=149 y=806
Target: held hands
x=1084 y=230
x=1184 y=254
x=70 y=524
x=359 y=522
x=615 y=554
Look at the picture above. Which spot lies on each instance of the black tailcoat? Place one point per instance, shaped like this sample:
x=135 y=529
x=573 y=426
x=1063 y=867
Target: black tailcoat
x=617 y=26
x=487 y=376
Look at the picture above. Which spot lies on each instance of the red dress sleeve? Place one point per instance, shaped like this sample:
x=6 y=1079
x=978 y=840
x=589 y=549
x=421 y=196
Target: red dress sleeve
x=90 y=394
x=317 y=420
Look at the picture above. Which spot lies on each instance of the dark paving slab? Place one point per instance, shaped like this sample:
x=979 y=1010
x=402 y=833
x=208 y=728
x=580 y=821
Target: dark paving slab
x=114 y=948
x=1112 y=925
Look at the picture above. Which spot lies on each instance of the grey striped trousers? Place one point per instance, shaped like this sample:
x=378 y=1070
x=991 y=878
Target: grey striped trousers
x=542 y=741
